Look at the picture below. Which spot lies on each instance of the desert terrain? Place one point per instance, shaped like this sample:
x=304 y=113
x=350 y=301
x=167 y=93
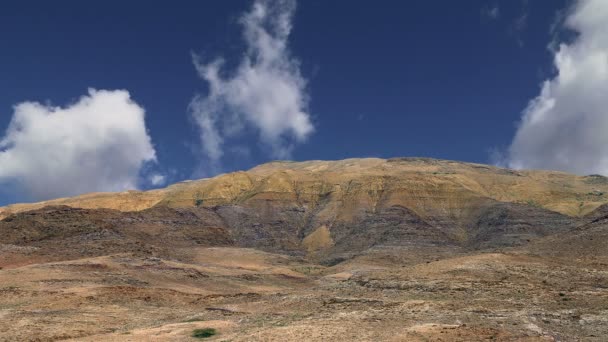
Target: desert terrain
x=404 y=249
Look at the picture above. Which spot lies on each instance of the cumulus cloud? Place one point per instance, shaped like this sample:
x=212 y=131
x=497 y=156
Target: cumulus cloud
x=566 y=126
x=98 y=143
x=265 y=94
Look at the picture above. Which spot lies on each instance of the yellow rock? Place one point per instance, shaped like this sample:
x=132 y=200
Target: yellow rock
x=318 y=240
x=428 y=187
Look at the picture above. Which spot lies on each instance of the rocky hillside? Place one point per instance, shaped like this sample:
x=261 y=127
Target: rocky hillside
x=403 y=249
x=332 y=210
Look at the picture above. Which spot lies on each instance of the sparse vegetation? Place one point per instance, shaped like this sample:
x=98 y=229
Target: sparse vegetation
x=198 y=199
x=533 y=203
x=596 y=179
x=204 y=333
x=309 y=270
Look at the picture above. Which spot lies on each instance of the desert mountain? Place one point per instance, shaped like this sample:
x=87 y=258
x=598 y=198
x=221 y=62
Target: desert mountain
x=335 y=209
x=405 y=249
x=425 y=186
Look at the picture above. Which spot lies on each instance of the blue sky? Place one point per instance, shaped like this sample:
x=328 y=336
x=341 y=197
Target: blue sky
x=441 y=79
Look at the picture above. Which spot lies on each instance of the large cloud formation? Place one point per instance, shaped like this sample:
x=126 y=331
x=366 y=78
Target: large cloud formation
x=98 y=143
x=265 y=94
x=566 y=126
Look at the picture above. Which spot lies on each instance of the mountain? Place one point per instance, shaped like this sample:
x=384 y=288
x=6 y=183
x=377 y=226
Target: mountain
x=335 y=209
x=422 y=184
x=372 y=249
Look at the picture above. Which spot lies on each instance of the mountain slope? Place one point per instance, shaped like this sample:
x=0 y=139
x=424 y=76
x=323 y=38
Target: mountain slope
x=587 y=242
x=332 y=211
x=425 y=186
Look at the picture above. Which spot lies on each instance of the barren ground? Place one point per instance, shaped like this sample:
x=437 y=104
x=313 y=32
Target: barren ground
x=392 y=294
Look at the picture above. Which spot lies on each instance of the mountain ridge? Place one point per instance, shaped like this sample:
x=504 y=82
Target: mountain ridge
x=557 y=191
x=333 y=210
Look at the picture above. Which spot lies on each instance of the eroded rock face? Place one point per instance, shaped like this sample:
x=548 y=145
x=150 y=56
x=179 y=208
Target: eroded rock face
x=62 y=232
x=513 y=224
x=331 y=210
x=275 y=226
x=586 y=242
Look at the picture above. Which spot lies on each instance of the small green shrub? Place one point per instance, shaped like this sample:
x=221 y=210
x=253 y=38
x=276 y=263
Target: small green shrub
x=198 y=199
x=204 y=333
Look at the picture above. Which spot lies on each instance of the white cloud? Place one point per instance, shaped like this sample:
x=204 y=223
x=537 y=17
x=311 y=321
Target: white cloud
x=157 y=179
x=266 y=92
x=566 y=126
x=98 y=143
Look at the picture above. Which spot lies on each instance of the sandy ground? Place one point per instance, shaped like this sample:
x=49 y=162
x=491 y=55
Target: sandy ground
x=248 y=295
